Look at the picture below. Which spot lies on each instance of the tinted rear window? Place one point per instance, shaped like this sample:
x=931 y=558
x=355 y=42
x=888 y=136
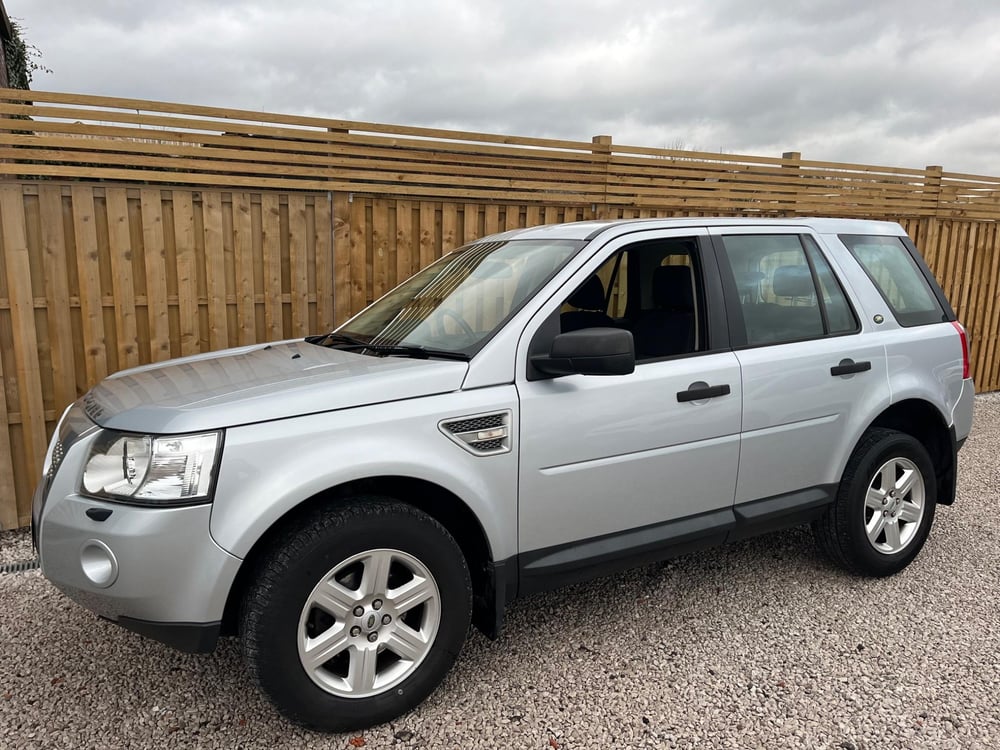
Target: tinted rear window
x=898 y=277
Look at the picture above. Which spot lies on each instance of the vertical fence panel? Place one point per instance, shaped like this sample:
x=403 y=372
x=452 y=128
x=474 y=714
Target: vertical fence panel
x=342 y=286
x=491 y=219
x=380 y=248
x=57 y=293
x=972 y=301
x=89 y=277
x=187 y=274
x=449 y=228
x=405 y=255
x=359 y=256
x=215 y=269
x=470 y=229
x=512 y=218
x=246 y=305
x=298 y=264
x=989 y=350
x=323 y=237
x=154 y=255
x=120 y=246
x=271 y=230
x=22 y=316
x=428 y=218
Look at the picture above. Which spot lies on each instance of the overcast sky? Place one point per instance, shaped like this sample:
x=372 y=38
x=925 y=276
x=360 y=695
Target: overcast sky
x=895 y=82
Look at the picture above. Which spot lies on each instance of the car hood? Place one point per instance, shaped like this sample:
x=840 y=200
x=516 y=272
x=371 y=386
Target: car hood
x=260 y=383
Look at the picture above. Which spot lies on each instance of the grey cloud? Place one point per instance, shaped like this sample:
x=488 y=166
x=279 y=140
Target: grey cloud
x=907 y=82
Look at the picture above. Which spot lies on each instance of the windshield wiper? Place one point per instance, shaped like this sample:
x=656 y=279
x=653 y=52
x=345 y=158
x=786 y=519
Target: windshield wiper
x=334 y=339
x=343 y=341
x=414 y=352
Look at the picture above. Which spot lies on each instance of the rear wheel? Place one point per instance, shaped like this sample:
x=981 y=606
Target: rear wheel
x=356 y=614
x=884 y=507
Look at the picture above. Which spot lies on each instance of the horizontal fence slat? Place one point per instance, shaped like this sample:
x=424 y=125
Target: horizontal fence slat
x=132 y=139
x=112 y=103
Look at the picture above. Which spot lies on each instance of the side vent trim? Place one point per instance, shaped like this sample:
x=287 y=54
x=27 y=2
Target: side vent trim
x=481 y=434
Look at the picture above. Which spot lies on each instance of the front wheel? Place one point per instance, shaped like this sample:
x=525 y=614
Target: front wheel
x=884 y=506
x=356 y=614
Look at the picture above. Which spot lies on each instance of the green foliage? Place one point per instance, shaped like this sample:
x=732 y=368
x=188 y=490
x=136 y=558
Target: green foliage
x=22 y=58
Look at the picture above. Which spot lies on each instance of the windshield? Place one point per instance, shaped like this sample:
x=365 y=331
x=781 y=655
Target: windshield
x=457 y=303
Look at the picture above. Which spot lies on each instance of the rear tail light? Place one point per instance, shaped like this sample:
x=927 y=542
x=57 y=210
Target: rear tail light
x=965 y=348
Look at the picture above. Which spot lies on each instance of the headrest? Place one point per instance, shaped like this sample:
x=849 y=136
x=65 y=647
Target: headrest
x=590 y=296
x=793 y=281
x=672 y=287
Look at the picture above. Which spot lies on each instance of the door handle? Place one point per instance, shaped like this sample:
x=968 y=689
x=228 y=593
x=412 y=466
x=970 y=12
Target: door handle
x=703 y=391
x=849 y=366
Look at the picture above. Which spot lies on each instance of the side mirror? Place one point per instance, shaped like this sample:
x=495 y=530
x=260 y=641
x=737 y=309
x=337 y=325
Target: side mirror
x=589 y=351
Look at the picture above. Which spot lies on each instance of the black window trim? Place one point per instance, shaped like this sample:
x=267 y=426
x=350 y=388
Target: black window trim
x=737 y=324
x=819 y=287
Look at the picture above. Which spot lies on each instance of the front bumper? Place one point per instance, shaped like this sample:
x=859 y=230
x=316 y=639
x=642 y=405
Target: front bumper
x=156 y=571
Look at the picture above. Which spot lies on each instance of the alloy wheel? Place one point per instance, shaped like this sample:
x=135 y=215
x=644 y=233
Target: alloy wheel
x=894 y=505
x=369 y=623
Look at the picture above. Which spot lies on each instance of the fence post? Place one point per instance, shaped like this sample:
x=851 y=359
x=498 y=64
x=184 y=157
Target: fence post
x=602 y=148
x=932 y=235
x=932 y=186
x=792 y=161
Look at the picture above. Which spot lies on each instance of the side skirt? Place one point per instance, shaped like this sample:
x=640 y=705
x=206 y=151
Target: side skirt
x=561 y=565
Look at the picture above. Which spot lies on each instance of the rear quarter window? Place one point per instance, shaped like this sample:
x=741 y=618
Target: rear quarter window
x=895 y=273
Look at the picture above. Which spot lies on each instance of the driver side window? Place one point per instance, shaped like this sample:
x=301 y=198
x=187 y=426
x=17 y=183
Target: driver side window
x=653 y=289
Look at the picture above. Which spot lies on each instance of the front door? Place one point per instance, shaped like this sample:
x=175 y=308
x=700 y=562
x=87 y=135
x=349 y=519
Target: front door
x=616 y=469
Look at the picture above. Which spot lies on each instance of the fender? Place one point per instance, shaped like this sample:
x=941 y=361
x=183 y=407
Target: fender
x=270 y=468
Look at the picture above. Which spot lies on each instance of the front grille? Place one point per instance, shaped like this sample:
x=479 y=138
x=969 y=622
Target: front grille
x=481 y=434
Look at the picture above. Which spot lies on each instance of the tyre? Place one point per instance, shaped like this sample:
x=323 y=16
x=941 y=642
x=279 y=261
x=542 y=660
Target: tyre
x=884 y=506
x=355 y=614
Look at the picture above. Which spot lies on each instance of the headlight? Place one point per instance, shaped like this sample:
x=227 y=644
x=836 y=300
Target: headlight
x=154 y=470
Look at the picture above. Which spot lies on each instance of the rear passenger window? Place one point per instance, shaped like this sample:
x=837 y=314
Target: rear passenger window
x=890 y=266
x=777 y=282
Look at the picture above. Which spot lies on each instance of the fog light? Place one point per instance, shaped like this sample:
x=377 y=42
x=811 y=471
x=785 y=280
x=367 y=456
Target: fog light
x=99 y=563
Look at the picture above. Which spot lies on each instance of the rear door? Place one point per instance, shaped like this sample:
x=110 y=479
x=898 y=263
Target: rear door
x=809 y=376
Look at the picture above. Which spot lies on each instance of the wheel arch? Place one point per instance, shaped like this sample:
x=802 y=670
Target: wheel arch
x=924 y=421
x=436 y=501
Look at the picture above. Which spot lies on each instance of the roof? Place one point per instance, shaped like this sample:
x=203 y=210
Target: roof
x=586 y=230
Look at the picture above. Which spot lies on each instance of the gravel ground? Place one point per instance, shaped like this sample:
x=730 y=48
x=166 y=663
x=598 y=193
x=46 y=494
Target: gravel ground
x=759 y=644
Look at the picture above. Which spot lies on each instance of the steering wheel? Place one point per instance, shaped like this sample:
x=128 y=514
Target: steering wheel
x=447 y=312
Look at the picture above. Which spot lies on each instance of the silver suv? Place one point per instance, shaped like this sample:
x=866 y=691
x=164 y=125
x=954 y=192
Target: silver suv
x=537 y=408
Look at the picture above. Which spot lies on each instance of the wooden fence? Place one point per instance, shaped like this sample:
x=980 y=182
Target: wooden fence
x=131 y=231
